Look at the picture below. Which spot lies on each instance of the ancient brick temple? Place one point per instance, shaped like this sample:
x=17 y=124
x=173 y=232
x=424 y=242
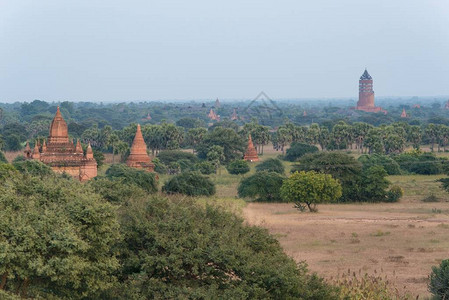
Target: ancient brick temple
x=366 y=94
x=61 y=154
x=251 y=153
x=138 y=157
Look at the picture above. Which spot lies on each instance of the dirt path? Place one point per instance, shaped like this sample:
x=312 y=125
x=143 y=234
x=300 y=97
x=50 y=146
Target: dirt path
x=400 y=241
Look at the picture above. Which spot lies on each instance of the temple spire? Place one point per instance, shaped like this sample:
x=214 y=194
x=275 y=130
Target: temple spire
x=36 y=153
x=89 y=152
x=251 y=153
x=138 y=157
x=78 y=148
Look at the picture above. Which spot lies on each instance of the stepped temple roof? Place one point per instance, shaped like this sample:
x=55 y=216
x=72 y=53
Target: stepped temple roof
x=138 y=157
x=250 y=153
x=61 y=155
x=366 y=76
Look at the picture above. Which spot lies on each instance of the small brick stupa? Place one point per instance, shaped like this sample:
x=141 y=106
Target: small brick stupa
x=61 y=154
x=138 y=157
x=403 y=114
x=251 y=153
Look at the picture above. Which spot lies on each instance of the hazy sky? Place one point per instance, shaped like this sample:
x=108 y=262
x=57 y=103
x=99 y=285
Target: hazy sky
x=232 y=49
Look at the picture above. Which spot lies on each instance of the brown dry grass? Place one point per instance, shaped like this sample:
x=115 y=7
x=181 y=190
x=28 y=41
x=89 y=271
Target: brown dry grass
x=398 y=240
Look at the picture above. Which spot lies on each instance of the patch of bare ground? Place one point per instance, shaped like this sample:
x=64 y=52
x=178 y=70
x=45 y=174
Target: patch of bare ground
x=401 y=241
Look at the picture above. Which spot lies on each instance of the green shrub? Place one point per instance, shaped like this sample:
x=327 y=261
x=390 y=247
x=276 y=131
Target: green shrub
x=421 y=163
x=208 y=253
x=169 y=156
x=297 y=150
x=262 y=186
x=140 y=178
x=389 y=164
x=271 y=165
x=238 y=167
x=3 y=158
x=19 y=158
x=33 y=168
x=191 y=184
x=395 y=193
x=159 y=167
x=205 y=167
x=439 y=280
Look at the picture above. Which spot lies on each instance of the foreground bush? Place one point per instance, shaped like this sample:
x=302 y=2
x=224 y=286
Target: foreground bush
x=127 y=175
x=271 y=165
x=205 y=167
x=191 y=184
x=389 y=164
x=32 y=167
x=56 y=239
x=439 y=280
x=176 y=249
x=263 y=186
x=238 y=167
x=297 y=150
x=3 y=158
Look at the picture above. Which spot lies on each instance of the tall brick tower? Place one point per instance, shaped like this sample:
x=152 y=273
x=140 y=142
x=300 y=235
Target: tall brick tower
x=366 y=94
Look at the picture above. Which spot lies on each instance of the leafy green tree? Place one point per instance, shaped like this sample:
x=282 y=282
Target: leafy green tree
x=191 y=184
x=195 y=136
x=215 y=156
x=340 y=165
x=414 y=136
x=140 y=178
x=389 y=164
x=297 y=150
x=12 y=142
x=175 y=248
x=205 y=167
x=271 y=165
x=263 y=186
x=116 y=191
x=112 y=141
x=123 y=150
x=439 y=280
x=56 y=239
x=310 y=188
x=431 y=133
x=233 y=144
x=3 y=158
x=360 y=131
x=169 y=156
x=375 y=184
x=189 y=123
x=33 y=168
x=238 y=167
x=99 y=157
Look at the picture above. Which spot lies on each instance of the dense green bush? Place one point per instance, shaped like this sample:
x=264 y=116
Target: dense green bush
x=205 y=167
x=421 y=163
x=232 y=143
x=189 y=183
x=374 y=185
x=262 y=186
x=394 y=194
x=238 y=167
x=271 y=165
x=177 y=249
x=169 y=156
x=116 y=191
x=140 y=178
x=340 y=165
x=33 y=167
x=389 y=164
x=297 y=150
x=3 y=158
x=159 y=167
x=439 y=280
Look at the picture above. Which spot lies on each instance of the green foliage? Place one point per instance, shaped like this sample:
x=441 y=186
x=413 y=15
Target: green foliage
x=176 y=249
x=159 y=167
x=238 y=167
x=33 y=168
x=389 y=164
x=205 y=167
x=262 y=186
x=395 y=193
x=3 y=158
x=374 y=184
x=297 y=150
x=233 y=144
x=18 y=158
x=191 y=184
x=56 y=239
x=421 y=163
x=271 y=165
x=99 y=157
x=140 y=178
x=170 y=156
x=340 y=165
x=116 y=191
x=310 y=188
x=439 y=280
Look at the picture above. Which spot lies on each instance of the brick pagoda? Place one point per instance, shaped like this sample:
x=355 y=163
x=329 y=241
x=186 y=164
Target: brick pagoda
x=366 y=94
x=250 y=153
x=61 y=154
x=138 y=157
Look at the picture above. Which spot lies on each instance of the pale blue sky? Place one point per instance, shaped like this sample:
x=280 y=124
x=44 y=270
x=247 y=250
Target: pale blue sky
x=177 y=49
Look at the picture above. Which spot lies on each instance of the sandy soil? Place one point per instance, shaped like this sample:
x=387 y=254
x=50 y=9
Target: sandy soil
x=401 y=241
